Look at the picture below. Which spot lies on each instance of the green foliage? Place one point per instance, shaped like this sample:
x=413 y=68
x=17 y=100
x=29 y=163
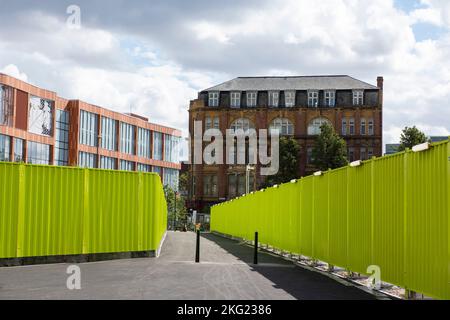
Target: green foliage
x=288 y=169
x=176 y=209
x=330 y=150
x=410 y=137
x=184 y=182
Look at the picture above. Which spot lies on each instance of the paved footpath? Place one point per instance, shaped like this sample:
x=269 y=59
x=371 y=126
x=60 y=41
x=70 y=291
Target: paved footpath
x=225 y=272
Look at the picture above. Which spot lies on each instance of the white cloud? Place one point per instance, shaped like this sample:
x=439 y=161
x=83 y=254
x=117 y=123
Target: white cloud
x=13 y=71
x=177 y=52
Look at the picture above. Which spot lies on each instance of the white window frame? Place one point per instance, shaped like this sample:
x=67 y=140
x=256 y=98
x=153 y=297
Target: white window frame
x=344 y=130
x=330 y=98
x=351 y=127
x=315 y=124
x=216 y=123
x=371 y=127
x=235 y=99
x=313 y=98
x=289 y=99
x=243 y=124
x=274 y=99
x=363 y=127
x=363 y=153
x=283 y=125
x=208 y=123
x=358 y=97
x=252 y=99
x=213 y=99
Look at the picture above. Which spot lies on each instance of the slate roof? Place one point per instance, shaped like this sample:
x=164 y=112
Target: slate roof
x=335 y=82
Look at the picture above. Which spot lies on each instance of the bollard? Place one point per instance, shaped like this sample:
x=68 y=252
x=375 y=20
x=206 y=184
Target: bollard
x=197 y=249
x=255 y=257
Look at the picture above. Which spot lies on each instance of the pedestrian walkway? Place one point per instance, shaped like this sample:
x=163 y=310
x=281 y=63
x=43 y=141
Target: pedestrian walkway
x=225 y=272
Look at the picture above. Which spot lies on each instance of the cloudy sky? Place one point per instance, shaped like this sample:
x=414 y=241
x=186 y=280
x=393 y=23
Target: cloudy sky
x=152 y=57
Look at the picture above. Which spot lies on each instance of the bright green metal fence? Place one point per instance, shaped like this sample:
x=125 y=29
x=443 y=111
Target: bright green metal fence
x=46 y=210
x=392 y=212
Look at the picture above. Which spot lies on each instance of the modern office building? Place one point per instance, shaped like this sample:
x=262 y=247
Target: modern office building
x=39 y=127
x=297 y=107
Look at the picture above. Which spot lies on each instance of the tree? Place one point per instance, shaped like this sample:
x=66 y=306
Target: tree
x=330 y=150
x=176 y=208
x=184 y=182
x=411 y=137
x=288 y=165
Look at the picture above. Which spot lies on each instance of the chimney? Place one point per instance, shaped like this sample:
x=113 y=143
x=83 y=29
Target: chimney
x=380 y=81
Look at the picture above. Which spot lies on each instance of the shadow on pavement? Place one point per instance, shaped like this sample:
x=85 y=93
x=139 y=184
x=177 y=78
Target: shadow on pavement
x=298 y=282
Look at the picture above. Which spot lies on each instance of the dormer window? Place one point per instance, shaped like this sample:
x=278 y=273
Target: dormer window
x=330 y=98
x=251 y=99
x=313 y=99
x=289 y=98
x=358 y=97
x=235 y=99
x=213 y=100
x=274 y=98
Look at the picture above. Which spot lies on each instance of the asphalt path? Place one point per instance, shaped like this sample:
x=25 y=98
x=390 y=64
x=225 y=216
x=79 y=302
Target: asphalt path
x=225 y=272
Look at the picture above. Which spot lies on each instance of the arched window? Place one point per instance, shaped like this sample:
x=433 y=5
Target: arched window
x=314 y=126
x=283 y=125
x=242 y=124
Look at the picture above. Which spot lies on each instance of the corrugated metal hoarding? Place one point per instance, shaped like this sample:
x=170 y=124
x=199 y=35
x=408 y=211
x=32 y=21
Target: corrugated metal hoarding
x=47 y=210
x=391 y=212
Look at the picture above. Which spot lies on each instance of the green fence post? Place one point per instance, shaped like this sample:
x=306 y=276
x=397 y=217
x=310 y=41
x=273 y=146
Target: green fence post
x=140 y=204
x=409 y=294
x=85 y=219
x=21 y=212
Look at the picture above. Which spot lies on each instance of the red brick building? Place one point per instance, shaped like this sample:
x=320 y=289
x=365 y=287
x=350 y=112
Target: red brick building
x=296 y=106
x=37 y=126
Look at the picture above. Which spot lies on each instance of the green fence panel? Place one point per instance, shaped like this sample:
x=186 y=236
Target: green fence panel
x=338 y=218
x=426 y=260
x=391 y=212
x=48 y=210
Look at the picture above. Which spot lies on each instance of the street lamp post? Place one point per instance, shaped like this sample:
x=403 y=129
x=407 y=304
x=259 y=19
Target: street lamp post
x=175 y=211
x=247 y=178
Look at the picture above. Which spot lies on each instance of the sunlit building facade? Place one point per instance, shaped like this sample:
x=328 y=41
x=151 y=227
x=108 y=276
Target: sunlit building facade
x=296 y=107
x=38 y=127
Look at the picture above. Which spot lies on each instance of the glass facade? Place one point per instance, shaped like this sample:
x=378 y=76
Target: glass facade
x=108 y=163
x=126 y=165
x=143 y=167
x=109 y=134
x=62 y=138
x=157 y=170
x=40 y=116
x=5 y=148
x=6 y=105
x=144 y=143
x=171 y=178
x=127 y=141
x=87 y=160
x=157 y=145
x=171 y=148
x=38 y=153
x=88 y=128
x=19 y=146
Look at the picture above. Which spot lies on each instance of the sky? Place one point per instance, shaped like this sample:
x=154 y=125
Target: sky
x=153 y=57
